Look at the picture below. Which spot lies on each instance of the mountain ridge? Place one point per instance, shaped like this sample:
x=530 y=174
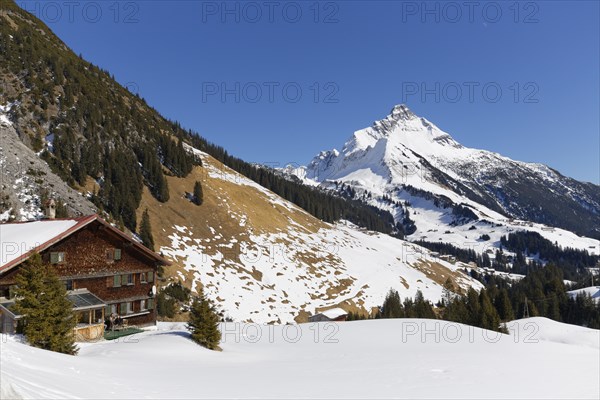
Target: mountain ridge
x=404 y=149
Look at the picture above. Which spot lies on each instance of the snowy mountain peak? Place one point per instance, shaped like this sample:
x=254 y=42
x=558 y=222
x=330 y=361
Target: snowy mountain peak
x=403 y=154
x=401 y=111
x=401 y=121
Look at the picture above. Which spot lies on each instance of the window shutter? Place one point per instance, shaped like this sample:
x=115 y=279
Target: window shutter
x=150 y=304
x=123 y=308
x=117 y=254
x=150 y=276
x=54 y=258
x=107 y=311
x=117 y=281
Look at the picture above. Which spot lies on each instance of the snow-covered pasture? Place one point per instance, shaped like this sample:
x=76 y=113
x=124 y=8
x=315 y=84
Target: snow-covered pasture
x=407 y=358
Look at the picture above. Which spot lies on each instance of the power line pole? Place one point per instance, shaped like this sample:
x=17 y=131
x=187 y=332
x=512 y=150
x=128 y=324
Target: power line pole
x=526 y=311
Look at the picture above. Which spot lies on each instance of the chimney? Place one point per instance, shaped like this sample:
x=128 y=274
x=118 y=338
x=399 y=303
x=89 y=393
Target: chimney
x=50 y=209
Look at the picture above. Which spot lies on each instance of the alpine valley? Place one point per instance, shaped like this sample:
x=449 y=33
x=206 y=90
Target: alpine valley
x=185 y=272
x=268 y=246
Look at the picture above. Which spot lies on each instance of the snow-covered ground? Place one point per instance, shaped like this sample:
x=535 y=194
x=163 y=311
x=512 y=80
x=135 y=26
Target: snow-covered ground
x=345 y=264
x=408 y=358
x=4 y=110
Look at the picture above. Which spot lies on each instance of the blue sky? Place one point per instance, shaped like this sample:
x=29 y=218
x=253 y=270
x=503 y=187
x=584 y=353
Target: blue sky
x=276 y=82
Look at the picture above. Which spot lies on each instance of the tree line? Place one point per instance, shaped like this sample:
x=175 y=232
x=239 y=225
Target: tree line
x=541 y=293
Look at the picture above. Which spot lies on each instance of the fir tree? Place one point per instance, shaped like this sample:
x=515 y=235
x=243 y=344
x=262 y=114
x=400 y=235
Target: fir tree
x=42 y=300
x=204 y=323
x=198 y=194
x=503 y=305
x=392 y=306
x=489 y=318
x=146 y=231
x=422 y=307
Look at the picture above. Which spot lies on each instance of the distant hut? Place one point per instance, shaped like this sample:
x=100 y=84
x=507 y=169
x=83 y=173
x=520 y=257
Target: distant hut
x=332 y=315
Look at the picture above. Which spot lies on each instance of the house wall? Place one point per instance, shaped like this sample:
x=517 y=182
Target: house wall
x=87 y=265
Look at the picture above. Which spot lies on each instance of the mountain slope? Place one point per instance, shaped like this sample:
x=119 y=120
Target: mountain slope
x=406 y=159
x=88 y=127
x=263 y=259
x=259 y=257
x=25 y=180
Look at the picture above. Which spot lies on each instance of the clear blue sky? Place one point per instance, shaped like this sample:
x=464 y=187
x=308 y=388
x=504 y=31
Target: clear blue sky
x=353 y=60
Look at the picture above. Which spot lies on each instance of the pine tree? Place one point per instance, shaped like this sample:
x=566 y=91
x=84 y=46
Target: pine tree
x=146 y=231
x=489 y=318
x=42 y=300
x=503 y=305
x=198 y=194
x=392 y=306
x=422 y=307
x=204 y=323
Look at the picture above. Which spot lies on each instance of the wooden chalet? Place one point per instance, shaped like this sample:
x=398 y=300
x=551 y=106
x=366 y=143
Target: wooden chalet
x=108 y=275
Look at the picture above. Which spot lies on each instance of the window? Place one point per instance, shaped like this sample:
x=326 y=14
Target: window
x=68 y=284
x=143 y=305
x=57 y=257
x=150 y=304
x=121 y=280
x=126 y=308
x=147 y=277
x=110 y=309
x=127 y=279
x=113 y=255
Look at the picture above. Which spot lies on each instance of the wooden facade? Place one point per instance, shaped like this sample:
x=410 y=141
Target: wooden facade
x=95 y=256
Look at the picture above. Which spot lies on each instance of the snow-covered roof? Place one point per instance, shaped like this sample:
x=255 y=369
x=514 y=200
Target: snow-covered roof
x=18 y=241
x=333 y=313
x=592 y=291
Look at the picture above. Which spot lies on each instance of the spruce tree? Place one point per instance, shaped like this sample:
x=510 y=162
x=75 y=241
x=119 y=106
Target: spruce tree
x=392 y=306
x=48 y=314
x=489 y=318
x=422 y=307
x=146 y=231
x=204 y=323
x=503 y=305
x=198 y=194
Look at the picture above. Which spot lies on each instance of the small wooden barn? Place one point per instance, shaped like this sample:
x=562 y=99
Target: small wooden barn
x=107 y=274
x=331 y=315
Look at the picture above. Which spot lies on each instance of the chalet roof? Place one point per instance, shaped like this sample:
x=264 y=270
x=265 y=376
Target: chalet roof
x=333 y=313
x=82 y=300
x=20 y=240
